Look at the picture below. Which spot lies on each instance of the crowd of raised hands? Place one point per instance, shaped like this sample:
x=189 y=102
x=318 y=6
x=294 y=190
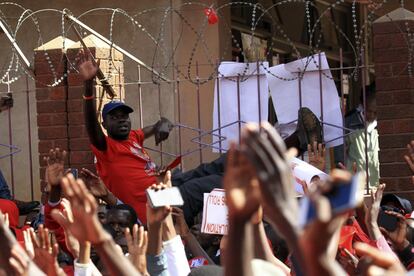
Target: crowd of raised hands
x=259 y=196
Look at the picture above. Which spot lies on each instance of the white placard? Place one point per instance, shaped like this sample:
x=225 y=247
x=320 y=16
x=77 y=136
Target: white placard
x=284 y=87
x=215 y=218
x=250 y=93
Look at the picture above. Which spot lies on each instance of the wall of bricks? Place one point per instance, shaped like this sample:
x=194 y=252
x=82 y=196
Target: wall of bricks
x=395 y=103
x=60 y=115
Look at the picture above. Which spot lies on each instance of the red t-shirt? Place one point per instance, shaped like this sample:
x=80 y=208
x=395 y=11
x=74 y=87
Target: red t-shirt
x=127 y=170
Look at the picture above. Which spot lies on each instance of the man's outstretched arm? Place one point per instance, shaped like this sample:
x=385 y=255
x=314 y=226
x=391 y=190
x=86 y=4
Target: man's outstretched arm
x=88 y=70
x=149 y=131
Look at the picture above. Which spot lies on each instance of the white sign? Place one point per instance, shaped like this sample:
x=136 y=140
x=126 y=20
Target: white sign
x=284 y=88
x=229 y=95
x=303 y=171
x=215 y=218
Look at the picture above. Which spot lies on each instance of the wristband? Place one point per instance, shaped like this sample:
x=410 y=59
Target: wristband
x=88 y=97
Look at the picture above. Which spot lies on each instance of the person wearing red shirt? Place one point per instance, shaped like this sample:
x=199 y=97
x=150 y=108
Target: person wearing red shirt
x=121 y=161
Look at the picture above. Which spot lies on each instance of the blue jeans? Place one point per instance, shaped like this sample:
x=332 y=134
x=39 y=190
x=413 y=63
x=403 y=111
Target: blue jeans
x=4 y=188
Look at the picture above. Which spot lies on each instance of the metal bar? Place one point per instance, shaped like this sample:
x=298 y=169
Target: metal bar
x=203 y=145
x=161 y=152
x=110 y=43
x=218 y=106
x=320 y=87
x=11 y=151
x=238 y=106
x=120 y=84
x=337 y=68
x=179 y=119
x=105 y=84
x=14 y=150
x=16 y=47
x=198 y=111
x=141 y=120
x=29 y=129
x=10 y=138
x=258 y=91
x=300 y=99
x=365 y=120
x=300 y=89
x=343 y=106
x=159 y=110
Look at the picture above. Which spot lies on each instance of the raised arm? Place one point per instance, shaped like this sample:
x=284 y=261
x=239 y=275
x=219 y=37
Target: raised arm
x=86 y=227
x=88 y=71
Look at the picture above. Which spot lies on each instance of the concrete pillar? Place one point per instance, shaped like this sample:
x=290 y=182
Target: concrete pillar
x=395 y=98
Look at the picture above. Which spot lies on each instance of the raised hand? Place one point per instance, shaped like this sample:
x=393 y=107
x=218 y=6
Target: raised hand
x=380 y=262
x=304 y=185
x=45 y=254
x=398 y=236
x=87 y=67
x=85 y=225
x=319 y=234
x=55 y=161
x=371 y=216
x=409 y=158
x=162 y=130
x=28 y=243
x=94 y=183
x=267 y=153
x=164 y=178
x=155 y=216
x=354 y=167
x=137 y=247
x=316 y=153
x=241 y=185
x=71 y=242
x=348 y=261
x=19 y=262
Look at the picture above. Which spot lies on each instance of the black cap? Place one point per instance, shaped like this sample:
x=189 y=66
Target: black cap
x=404 y=203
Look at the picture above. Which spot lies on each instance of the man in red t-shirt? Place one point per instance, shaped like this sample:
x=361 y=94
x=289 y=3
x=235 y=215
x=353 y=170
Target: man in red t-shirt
x=121 y=161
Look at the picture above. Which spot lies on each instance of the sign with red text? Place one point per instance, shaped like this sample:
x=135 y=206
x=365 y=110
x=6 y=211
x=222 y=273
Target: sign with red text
x=215 y=219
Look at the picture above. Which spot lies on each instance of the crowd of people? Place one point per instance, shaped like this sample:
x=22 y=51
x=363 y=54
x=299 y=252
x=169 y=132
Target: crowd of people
x=100 y=223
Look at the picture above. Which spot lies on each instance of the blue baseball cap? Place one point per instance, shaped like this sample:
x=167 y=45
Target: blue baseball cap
x=115 y=104
x=404 y=203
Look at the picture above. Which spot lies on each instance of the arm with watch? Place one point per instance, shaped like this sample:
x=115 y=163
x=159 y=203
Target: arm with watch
x=88 y=69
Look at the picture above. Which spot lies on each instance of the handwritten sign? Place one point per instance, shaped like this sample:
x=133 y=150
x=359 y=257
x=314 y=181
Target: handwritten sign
x=215 y=218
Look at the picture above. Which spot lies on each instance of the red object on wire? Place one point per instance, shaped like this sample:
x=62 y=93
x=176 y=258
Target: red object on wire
x=211 y=16
x=174 y=163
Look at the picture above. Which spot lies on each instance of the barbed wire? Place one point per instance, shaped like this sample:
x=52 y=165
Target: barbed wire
x=165 y=52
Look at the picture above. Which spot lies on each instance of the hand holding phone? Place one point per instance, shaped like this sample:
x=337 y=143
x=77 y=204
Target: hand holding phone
x=388 y=222
x=344 y=196
x=164 y=197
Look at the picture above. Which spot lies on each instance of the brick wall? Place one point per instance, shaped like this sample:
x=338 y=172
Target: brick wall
x=395 y=103
x=60 y=115
x=52 y=118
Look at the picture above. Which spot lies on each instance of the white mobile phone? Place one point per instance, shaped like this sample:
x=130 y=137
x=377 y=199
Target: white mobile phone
x=166 y=197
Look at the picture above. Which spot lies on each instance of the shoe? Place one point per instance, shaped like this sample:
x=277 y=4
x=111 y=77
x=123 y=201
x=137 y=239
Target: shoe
x=26 y=207
x=309 y=128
